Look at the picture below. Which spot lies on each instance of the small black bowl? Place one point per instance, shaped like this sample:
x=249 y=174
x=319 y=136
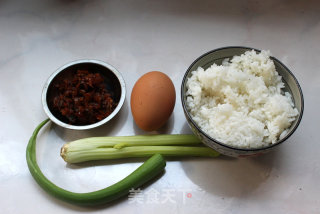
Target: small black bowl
x=217 y=56
x=112 y=78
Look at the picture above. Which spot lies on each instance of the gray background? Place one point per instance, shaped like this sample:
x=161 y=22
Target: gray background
x=37 y=37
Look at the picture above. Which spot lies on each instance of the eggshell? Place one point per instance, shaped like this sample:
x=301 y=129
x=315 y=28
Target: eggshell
x=152 y=100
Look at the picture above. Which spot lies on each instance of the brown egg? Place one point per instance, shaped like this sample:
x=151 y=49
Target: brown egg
x=152 y=100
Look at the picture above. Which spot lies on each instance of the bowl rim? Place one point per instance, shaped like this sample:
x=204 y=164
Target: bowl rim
x=90 y=126
x=220 y=143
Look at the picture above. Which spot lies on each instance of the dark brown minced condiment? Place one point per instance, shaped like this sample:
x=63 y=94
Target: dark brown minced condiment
x=83 y=99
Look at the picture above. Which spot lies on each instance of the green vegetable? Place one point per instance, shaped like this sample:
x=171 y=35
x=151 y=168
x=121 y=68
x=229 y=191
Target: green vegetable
x=152 y=167
x=103 y=148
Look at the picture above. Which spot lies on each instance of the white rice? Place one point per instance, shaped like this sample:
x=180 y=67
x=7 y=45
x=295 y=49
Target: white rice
x=241 y=103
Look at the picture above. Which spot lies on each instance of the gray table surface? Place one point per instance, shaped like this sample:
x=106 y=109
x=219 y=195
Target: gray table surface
x=37 y=37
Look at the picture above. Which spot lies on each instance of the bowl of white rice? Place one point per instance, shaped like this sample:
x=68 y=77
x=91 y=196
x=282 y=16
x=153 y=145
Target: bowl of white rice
x=241 y=101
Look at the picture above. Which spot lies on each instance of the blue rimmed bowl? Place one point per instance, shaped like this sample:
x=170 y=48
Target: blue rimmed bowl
x=217 y=56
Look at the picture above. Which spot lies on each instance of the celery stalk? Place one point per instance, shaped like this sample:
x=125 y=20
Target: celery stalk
x=104 y=148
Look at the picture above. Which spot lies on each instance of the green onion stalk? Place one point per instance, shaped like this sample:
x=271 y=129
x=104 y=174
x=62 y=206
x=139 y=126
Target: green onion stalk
x=153 y=167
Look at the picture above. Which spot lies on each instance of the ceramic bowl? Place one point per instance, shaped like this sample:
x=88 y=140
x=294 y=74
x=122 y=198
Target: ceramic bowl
x=217 y=56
